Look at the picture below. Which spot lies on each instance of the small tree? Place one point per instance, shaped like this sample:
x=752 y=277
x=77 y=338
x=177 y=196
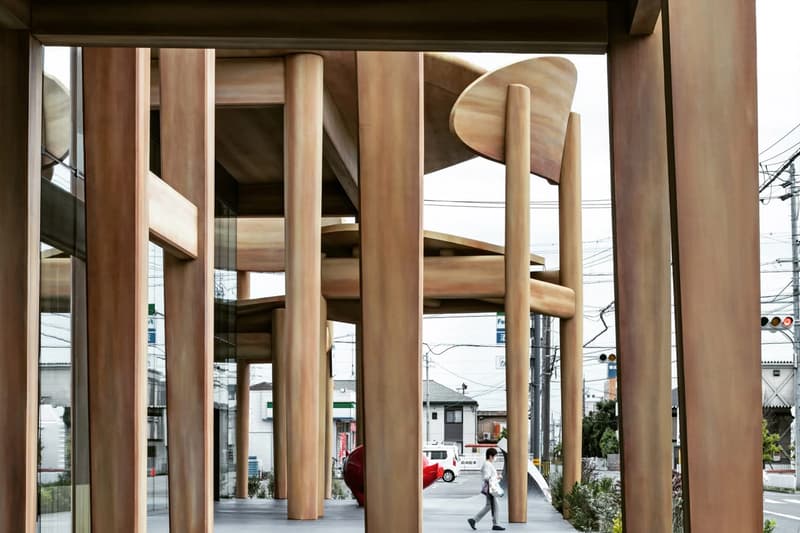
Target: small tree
x=769 y=443
x=609 y=442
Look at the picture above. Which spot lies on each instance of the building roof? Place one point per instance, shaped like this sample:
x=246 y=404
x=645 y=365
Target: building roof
x=439 y=394
x=261 y=386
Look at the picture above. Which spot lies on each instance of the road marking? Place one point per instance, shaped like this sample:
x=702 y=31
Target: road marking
x=776 y=502
x=790 y=517
x=791 y=500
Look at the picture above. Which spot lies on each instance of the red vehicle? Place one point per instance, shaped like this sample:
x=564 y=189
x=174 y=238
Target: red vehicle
x=353 y=473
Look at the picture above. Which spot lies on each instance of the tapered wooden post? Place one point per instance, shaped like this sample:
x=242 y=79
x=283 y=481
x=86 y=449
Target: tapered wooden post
x=330 y=430
x=571 y=266
x=187 y=164
x=243 y=402
x=323 y=397
x=517 y=301
x=20 y=159
x=713 y=174
x=390 y=109
x=303 y=170
x=279 y=368
x=641 y=259
x=116 y=84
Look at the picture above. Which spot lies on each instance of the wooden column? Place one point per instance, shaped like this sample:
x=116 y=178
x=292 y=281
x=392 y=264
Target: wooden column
x=187 y=164
x=279 y=399
x=303 y=197
x=642 y=273
x=323 y=398
x=571 y=266
x=360 y=425
x=713 y=177
x=117 y=126
x=517 y=290
x=390 y=105
x=20 y=159
x=243 y=402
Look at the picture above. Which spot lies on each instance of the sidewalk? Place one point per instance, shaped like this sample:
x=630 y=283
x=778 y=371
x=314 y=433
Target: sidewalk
x=441 y=515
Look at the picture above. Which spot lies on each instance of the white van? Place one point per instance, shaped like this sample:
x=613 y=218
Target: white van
x=447 y=456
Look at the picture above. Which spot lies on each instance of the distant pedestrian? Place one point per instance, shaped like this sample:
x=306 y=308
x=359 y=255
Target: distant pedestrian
x=491 y=480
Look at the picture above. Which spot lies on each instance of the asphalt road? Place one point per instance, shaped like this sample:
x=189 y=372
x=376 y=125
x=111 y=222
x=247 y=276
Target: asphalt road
x=466 y=485
x=784 y=509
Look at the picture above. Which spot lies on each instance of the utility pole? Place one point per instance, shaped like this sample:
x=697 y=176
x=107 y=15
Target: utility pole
x=547 y=371
x=796 y=301
x=536 y=360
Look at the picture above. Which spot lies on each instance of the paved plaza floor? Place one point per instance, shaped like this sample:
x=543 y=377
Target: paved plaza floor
x=446 y=508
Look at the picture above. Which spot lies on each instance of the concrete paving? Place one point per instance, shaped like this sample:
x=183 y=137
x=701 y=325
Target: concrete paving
x=446 y=507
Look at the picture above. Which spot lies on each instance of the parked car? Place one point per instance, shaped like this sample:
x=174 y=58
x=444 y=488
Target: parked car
x=446 y=455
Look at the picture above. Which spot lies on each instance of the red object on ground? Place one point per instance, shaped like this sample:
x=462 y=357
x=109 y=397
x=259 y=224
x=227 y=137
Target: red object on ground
x=353 y=473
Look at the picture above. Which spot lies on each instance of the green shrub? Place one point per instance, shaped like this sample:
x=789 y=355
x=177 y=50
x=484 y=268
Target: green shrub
x=253 y=484
x=769 y=526
x=269 y=490
x=617 y=524
x=609 y=442
x=594 y=506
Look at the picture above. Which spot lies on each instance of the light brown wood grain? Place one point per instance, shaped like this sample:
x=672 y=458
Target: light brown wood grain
x=303 y=167
x=571 y=274
x=254 y=348
x=187 y=164
x=644 y=16
x=340 y=148
x=20 y=114
x=279 y=399
x=713 y=171
x=643 y=308
x=478 y=116
x=516 y=122
x=544 y=25
x=116 y=121
x=390 y=111
x=54 y=282
x=240 y=82
x=172 y=218
x=242 y=403
x=478 y=277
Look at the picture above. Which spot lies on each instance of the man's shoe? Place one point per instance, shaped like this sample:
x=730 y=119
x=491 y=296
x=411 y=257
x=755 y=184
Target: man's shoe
x=471 y=522
x=498 y=528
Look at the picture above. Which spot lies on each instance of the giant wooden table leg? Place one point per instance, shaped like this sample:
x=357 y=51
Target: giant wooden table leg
x=187 y=164
x=713 y=164
x=116 y=118
x=243 y=402
x=390 y=162
x=303 y=170
x=571 y=265
x=323 y=397
x=279 y=363
x=641 y=253
x=517 y=301
x=20 y=159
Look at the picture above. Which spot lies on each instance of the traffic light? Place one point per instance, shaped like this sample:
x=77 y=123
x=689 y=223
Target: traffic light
x=776 y=322
x=609 y=357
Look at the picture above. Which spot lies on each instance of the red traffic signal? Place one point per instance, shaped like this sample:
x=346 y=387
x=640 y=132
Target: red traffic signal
x=777 y=322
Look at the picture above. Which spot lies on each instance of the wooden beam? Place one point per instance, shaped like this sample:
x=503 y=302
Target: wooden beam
x=260 y=244
x=340 y=149
x=64 y=227
x=303 y=167
x=15 y=14
x=470 y=25
x=116 y=118
x=187 y=163
x=239 y=82
x=21 y=116
x=173 y=218
x=571 y=273
x=713 y=172
x=477 y=277
x=254 y=348
x=242 y=404
x=643 y=308
x=390 y=108
x=279 y=400
x=644 y=16
x=517 y=280
x=267 y=200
